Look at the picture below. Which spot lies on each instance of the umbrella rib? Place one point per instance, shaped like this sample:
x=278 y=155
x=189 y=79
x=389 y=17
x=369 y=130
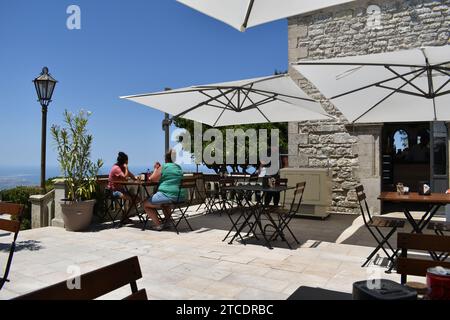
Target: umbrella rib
x=247 y=15
x=215 y=123
x=225 y=95
x=230 y=99
x=443 y=71
x=403 y=91
x=404 y=79
x=312 y=63
x=442 y=87
x=255 y=105
x=266 y=93
x=377 y=83
x=260 y=103
x=214 y=106
x=263 y=115
x=246 y=94
x=202 y=103
x=262 y=92
x=244 y=85
x=443 y=93
x=164 y=93
x=385 y=98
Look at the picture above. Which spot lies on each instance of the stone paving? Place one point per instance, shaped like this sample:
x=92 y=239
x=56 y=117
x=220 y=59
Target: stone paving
x=191 y=265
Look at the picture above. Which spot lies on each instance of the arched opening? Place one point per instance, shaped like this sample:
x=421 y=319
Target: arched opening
x=401 y=141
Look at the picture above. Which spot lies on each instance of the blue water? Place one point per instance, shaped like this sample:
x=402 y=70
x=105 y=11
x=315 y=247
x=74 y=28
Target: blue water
x=13 y=176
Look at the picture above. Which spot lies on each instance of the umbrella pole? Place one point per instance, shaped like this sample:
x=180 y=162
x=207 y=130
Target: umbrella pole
x=166 y=127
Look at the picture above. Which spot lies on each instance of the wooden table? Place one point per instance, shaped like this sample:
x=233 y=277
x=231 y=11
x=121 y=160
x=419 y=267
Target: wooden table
x=434 y=202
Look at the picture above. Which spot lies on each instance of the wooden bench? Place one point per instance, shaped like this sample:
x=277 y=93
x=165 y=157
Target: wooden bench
x=12 y=224
x=95 y=284
x=422 y=242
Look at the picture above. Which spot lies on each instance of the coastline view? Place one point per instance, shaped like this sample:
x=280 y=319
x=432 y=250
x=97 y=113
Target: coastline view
x=234 y=158
x=29 y=176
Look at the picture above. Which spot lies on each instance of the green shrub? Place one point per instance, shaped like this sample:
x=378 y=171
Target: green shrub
x=22 y=195
x=74 y=150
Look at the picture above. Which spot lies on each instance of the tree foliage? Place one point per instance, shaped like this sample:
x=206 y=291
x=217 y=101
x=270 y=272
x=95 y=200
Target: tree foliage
x=188 y=125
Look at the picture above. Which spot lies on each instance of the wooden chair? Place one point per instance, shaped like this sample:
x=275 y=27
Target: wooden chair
x=440 y=228
x=422 y=242
x=95 y=284
x=12 y=225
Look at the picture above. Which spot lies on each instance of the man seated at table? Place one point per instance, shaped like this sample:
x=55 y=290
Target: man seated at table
x=169 y=177
x=120 y=172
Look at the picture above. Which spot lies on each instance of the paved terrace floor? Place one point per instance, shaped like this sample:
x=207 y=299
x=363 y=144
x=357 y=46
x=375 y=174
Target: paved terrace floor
x=198 y=265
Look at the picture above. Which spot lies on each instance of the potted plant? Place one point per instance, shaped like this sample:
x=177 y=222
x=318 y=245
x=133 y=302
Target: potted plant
x=80 y=173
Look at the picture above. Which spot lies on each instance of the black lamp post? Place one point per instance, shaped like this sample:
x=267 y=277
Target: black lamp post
x=45 y=84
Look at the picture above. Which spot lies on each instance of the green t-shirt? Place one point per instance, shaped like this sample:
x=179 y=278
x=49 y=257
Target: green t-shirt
x=169 y=184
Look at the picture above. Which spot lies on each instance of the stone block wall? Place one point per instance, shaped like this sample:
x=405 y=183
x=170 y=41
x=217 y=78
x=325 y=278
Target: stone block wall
x=351 y=152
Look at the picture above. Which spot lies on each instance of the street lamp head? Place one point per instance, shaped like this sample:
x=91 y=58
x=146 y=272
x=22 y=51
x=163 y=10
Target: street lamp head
x=45 y=85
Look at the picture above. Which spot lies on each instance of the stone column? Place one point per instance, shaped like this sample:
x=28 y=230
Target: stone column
x=60 y=193
x=368 y=149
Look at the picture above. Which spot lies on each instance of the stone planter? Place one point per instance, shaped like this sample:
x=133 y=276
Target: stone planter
x=77 y=216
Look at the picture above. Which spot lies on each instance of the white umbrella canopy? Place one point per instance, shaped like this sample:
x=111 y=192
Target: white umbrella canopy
x=260 y=100
x=242 y=14
x=402 y=86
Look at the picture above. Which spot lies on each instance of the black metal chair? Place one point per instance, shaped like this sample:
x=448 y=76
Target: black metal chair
x=276 y=197
x=229 y=201
x=188 y=185
x=211 y=193
x=374 y=224
x=15 y=211
x=113 y=206
x=282 y=217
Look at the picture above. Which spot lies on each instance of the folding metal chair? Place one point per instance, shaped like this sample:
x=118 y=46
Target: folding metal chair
x=113 y=206
x=374 y=225
x=182 y=204
x=15 y=212
x=236 y=202
x=269 y=197
x=211 y=193
x=284 y=216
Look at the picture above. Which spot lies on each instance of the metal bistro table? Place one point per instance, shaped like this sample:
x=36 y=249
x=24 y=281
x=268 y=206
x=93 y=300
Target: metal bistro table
x=256 y=211
x=141 y=186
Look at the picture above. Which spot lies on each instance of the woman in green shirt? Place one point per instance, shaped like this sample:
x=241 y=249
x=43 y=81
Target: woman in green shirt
x=169 y=177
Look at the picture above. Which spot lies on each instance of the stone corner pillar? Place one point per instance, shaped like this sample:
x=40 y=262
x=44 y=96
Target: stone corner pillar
x=60 y=193
x=42 y=209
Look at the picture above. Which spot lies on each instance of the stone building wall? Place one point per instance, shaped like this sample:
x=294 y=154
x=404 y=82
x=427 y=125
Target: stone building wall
x=351 y=152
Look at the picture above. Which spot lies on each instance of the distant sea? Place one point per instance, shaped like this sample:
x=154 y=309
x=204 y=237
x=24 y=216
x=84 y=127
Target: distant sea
x=13 y=176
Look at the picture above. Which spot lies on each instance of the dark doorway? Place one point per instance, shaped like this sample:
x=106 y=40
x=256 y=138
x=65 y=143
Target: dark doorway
x=406 y=157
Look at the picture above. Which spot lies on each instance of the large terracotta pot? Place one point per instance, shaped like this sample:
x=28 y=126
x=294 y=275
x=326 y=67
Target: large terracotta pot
x=77 y=216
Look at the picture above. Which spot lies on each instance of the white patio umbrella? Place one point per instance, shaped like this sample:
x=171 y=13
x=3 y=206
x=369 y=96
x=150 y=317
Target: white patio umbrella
x=242 y=14
x=261 y=100
x=402 y=86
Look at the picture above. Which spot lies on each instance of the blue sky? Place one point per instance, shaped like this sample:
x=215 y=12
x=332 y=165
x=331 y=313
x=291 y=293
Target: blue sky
x=123 y=47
